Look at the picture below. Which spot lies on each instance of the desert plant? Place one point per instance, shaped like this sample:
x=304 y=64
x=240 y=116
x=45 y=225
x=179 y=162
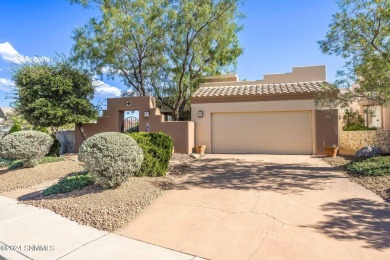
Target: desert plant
x=15 y=128
x=358 y=128
x=377 y=166
x=16 y=164
x=111 y=158
x=352 y=120
x=5 y=162
x=71 y=183
x=157 y=149
x=27 y=146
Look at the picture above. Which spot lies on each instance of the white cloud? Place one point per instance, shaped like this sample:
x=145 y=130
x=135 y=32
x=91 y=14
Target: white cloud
x=8 y=53
x=103 y=89
x=6 y=84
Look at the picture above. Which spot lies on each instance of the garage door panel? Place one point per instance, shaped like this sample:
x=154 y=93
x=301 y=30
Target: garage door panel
x=268 y=132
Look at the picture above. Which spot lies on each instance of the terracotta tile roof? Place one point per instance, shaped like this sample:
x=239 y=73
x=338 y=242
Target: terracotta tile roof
x=260 y=89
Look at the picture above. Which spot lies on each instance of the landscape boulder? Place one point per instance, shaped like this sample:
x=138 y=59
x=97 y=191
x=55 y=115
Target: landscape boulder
x=369 y=151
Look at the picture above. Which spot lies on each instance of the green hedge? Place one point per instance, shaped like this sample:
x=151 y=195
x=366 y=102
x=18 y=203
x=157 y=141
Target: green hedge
x=358 y=128
x=377 y=166
x=157 y=149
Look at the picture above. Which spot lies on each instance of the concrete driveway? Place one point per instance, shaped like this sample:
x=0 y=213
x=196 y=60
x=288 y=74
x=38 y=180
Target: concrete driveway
x=266 y=207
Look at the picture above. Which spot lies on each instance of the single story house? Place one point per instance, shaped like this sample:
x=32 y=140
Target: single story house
x=276 y=115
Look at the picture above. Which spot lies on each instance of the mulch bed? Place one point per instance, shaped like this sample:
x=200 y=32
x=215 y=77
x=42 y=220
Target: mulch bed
x=378 y=184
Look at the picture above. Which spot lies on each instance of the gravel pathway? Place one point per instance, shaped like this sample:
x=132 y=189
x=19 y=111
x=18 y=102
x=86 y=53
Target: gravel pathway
x=28 y=177
x=378 y=184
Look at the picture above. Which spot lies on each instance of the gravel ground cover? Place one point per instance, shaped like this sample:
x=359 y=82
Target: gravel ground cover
x=378 y=184
x=28 y=177
x=113 y=208
x=181 y=157
x=105 y=209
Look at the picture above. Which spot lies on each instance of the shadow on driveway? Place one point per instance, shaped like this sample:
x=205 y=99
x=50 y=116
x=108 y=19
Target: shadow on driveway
x=357 y=219
x=239 y=174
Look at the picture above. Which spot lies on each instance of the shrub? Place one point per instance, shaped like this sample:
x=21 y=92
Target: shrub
x=55 y=148
x=41 y=129
x=377 y=166
x=357 y=128
x=157 y=149
x=15 y=128
x=27 y=146
x=352 y=119
x=50 y=159
x=71 y=183
x=15 y=164
x=5 y=162
x=111 y=158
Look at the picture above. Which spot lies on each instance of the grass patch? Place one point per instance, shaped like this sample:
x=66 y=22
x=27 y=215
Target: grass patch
x=377 y=166
x=16 y=164
x=69 y=184
x=51 y=159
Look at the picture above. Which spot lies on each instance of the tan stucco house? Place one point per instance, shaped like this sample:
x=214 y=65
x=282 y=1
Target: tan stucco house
x=275 y=115
x=374 y=115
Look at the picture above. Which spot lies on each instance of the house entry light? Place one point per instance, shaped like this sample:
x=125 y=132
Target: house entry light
x=146 y=114
x=200 y=114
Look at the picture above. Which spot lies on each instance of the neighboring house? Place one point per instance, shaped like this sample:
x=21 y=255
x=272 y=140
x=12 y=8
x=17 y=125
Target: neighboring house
x=374 y=115
x=276 y=115
x=5 y=112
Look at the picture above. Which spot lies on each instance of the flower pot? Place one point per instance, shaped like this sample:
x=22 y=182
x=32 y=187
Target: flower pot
x=331 y=151
x=200 y=149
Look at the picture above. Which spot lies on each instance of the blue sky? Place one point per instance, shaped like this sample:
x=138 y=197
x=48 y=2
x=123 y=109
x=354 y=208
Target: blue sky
x=277 y=36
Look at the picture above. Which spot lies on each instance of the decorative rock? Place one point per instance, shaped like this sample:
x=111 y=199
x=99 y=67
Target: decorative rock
x=196 y=155
x=369 y=151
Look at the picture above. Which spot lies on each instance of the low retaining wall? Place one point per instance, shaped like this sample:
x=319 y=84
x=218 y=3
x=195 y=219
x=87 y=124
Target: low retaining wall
x=354 y=140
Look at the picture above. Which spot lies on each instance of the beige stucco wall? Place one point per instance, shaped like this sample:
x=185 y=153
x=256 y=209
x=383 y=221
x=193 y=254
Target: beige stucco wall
x=182 y=132
x=351 y=141
x=298 y=74
x=386 y=117
x=203 y=125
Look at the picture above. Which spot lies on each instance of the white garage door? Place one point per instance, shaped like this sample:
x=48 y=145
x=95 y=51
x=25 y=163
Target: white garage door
x=265 y=132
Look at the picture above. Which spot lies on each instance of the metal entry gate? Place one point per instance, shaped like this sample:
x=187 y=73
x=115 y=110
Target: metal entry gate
x=130 y=125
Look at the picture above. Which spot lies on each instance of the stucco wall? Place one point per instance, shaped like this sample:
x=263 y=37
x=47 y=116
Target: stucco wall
x=181 y=132
x=354 y=140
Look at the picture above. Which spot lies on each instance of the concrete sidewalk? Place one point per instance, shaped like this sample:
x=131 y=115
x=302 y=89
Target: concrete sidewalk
x=27 y=232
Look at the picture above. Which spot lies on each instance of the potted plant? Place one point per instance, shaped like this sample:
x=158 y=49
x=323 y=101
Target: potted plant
x=200 y=149
x=331 y=151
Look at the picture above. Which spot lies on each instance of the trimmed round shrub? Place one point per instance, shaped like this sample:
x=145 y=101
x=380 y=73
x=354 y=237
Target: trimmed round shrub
x=111 y=158
x=27 y=146
x=157 y=149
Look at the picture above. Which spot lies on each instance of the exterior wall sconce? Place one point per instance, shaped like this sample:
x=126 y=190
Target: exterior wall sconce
x=146 y=114
x=200 y=114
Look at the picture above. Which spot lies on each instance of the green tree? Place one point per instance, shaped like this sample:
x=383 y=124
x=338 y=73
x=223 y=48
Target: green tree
x=53 y=94
x=359 y=32
x=162 y=48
